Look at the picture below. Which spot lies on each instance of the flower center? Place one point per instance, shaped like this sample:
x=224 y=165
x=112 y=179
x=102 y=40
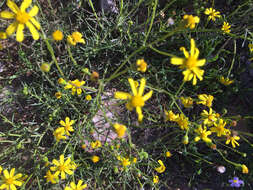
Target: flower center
x=235 y=181
x=211 y=117
x=22 y=17
x=9 y=181
x=191 y=62
x=137 y=101
x=61 y=167
x=191 y=19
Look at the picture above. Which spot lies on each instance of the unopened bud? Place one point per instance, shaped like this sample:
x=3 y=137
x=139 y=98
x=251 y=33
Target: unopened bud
x=45 y=67
x=185 y=139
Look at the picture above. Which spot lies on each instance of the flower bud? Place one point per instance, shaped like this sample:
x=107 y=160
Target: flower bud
x=45 y=67
x=185 y=139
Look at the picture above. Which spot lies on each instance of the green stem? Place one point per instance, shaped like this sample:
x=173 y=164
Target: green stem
x=233 y=61
x=94 y=12
x=161 y=52
x=152 y=21
x=71 y=55
x=50 y=49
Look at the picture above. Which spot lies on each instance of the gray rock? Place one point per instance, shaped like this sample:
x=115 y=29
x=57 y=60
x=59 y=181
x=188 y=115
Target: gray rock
x=109 y=6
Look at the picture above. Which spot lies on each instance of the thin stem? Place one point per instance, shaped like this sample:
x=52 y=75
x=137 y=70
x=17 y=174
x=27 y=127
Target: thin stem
x=71 y=55
x=152 y=21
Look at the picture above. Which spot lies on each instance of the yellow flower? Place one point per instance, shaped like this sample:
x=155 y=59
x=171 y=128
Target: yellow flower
x=120 y=129
x=225 y=81
x=168 y=154
x=62 y=167
x=88 y=97
x=233 y=140
x=96 y=144
x=75 y=86
x=58 y=95
x=3 y=35
x=170 y=116
x=74 y=38
x=187 y=102
x=226 y=27
x=219 y=128
x=124 y=161
x=59 y=134
x=73 y=186
x=137 y=99
x=190 y=63
x=191 y=21
x=209 y=118
x=245 y=169
x=250 y=48
x=22 y=19
x=205 y=99
x=67 y=125
x=142 y=65
x=155 y=179
x=134 y=160
x=203 y=134
x=95 y=159
x=45 y=67
x=94 y=76
x=10 y=181
x=53 y=178
x=183 y=122
x=213 y=14
x=61 y=81
x=161 y=168
x=57 y=35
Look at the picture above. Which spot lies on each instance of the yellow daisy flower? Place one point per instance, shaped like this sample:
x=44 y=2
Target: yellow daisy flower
x=59 y=134
x=124 y=161
x=202 y=134
x=53 y=178
x=142 y=65
x=74 y=38
x=57 y=35
x=73 y=186
x=88 y=97
x=95 y=159
x=136 y=99
x=183 y=122
x=67 y=125
x=62 y=166
x=22 y=19
x=168 y=154
x=205 y=99
x=169 y=115
x=226 y=27
x=75 y=86
x=209 y=117
x=155 y=179
x=245 y=169
x=96 y=144
x=187 y=102
x=191 y=21
x=58 y=95
x=213 y=14
x=225 y=81
x=161 y=168
x=119 y=129
x=3 y=35
x=190 y=63
x=233 y=140
x=219 y=128
x=10 y=181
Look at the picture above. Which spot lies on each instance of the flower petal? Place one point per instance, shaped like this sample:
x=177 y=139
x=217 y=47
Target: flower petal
x=192 y=47
x=134 y=90
x=34 y=11
x=201 y=62
x=147 y=96
x=12 y=187
x=6 y=174
x=35 y=23
x=20 y=34
x=12 y=6
x=7 y=15
x=142 y=86
x=122 y=95
x=34 y=32
x=11 y=29
x=25 y=5
x=177 y=61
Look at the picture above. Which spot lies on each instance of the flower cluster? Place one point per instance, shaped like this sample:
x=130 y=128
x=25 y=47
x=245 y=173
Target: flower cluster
x=66 y=128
